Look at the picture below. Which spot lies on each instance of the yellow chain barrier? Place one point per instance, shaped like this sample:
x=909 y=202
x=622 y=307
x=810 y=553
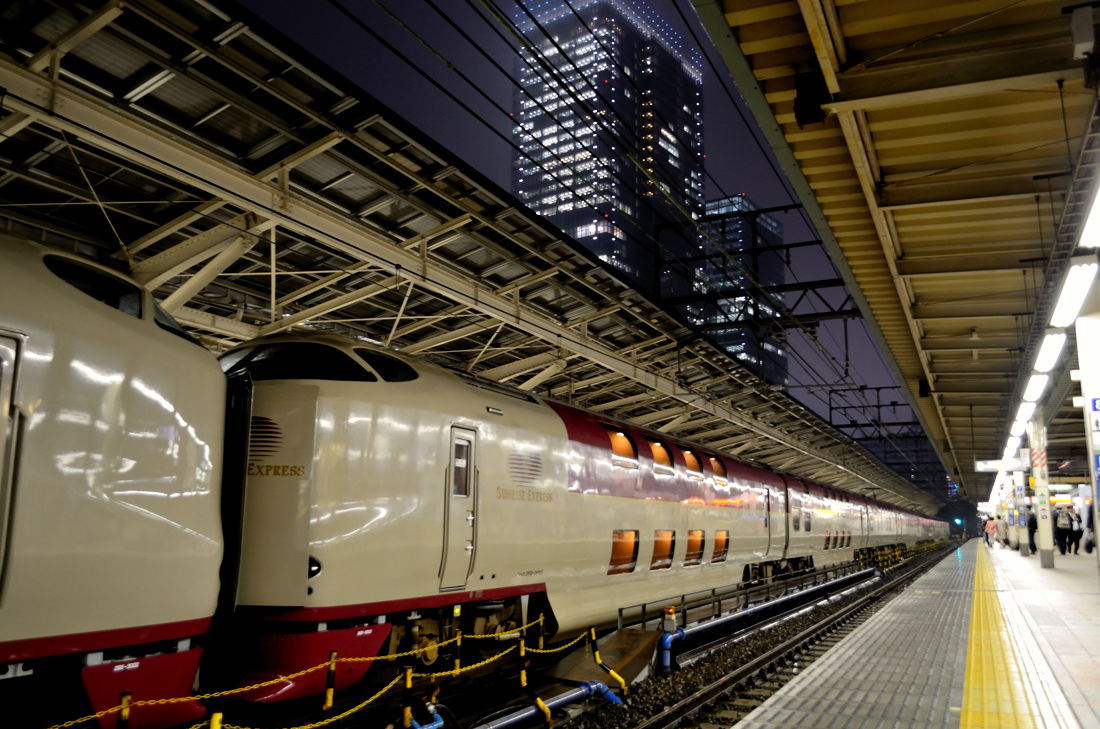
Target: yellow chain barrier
x=570 y=644
x=303 y=672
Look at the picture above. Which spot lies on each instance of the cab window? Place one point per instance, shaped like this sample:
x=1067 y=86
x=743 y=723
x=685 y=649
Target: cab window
x=388 y=367
x=113 y=291
x=297 y=361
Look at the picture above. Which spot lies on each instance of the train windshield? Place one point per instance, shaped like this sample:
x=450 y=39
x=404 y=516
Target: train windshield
x=296 y=361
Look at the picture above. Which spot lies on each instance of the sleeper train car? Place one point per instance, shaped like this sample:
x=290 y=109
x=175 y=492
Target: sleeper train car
x=111 y=429
x=382 y=503
x=388 y=502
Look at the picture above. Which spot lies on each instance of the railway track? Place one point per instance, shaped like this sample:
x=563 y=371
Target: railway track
x=720 y=688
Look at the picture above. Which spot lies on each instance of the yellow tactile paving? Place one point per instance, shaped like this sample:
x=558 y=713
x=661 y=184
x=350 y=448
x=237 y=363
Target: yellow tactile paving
x=1007 y=682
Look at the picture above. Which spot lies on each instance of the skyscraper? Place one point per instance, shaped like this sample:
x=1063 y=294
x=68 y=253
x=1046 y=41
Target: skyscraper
x=735 y=269
x=609 y=131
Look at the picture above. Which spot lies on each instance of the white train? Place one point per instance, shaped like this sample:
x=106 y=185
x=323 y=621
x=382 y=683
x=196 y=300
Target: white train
x=111 y=430
x=372 y=502
x=389 y=502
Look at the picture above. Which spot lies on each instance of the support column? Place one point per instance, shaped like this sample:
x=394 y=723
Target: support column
x=1088 y=356
x=1037 y=440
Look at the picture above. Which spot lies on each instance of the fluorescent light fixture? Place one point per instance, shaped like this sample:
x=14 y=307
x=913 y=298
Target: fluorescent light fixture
x=1090 y=234
x=1049 y=352
x=1074 y=289
x=1027 y=409
x=1018 y=427
x=1035 y=387
x=1012 y=446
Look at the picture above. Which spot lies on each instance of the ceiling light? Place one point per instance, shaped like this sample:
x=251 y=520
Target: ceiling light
x=1050 y=351
x=1027 y=409
x=1090 y=234
x=1035 y=387
x=1011 y=447
x=1073 y=292
x=1018 y=428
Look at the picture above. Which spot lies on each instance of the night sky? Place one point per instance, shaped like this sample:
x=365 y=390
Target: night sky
x=365 y=39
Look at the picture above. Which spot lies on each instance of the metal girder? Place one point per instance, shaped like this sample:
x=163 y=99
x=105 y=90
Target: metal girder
x=76 y=35
x=208 y=322
x=330 y=305
x=915 y=195
x=963 y=264
x=236 y=248
x=520 y=366
x=547 y=372
x=955 y=76
x=154 y=271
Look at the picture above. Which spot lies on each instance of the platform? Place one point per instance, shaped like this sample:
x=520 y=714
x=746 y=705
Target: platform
x=987 y=638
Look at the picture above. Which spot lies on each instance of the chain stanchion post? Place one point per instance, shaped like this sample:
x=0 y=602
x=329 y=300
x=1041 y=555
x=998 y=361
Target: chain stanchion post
x=408 y=714
x=522 y=662
x=542 y=631
x=458 y=650
x=124 y=713
x=216 y=720
x=330 y=681
x=545 y=713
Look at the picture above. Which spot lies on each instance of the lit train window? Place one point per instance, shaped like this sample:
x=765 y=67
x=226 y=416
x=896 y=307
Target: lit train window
x=836 y=539
x=296 y=361
x=721 y=546
x=623 y=451
x=664 y=542
x=796 y=518
x=389 y=368
x=694 y=468
x=460 y=484
x=719 y=469
x=828 y=538
x=662 y=459
x=111 y=290
x=806 y=519
x=696 y=542
x=624 y=551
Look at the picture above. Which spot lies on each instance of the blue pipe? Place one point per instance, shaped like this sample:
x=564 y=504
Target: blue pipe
x=665 y=642
x=437 y=723
x=585 y=690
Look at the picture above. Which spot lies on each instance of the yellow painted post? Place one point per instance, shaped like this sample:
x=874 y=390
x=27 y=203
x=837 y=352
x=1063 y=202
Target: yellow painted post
x=522 y=663
x=216 y=720
x=458 y=650
x=330 y=681
x=542 y=631
x=124 y=712
x=408 y=693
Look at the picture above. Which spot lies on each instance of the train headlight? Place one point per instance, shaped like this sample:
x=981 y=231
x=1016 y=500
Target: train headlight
x=314 y=568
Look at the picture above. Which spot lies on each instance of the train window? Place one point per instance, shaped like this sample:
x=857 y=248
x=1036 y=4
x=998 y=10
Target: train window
x=694 y=468
x=389 y=368
x=460 y=484
x=719 y=469
x=796 y=518
x=624 y=551
x=806 y=519
x=111 y=290
x=828 y=538
x=836 y=539
x=664 y=542
x=623 y=451
x=696 y=542
x=662 y=458
x=165 y=321
x=721 y=545
x=297 y=361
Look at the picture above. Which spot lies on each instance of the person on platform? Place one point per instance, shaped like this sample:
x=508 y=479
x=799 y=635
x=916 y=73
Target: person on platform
x=1077 y=529
x=1063 y=525
x=1001 y=527
x=990 y=530
x=1032 y=526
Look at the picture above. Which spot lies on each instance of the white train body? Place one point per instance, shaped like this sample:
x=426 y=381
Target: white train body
x=373 y=508
x=110 y=466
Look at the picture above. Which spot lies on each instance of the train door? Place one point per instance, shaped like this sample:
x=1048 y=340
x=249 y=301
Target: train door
x=8 y=435
x=458 y=522
x=864 y=526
